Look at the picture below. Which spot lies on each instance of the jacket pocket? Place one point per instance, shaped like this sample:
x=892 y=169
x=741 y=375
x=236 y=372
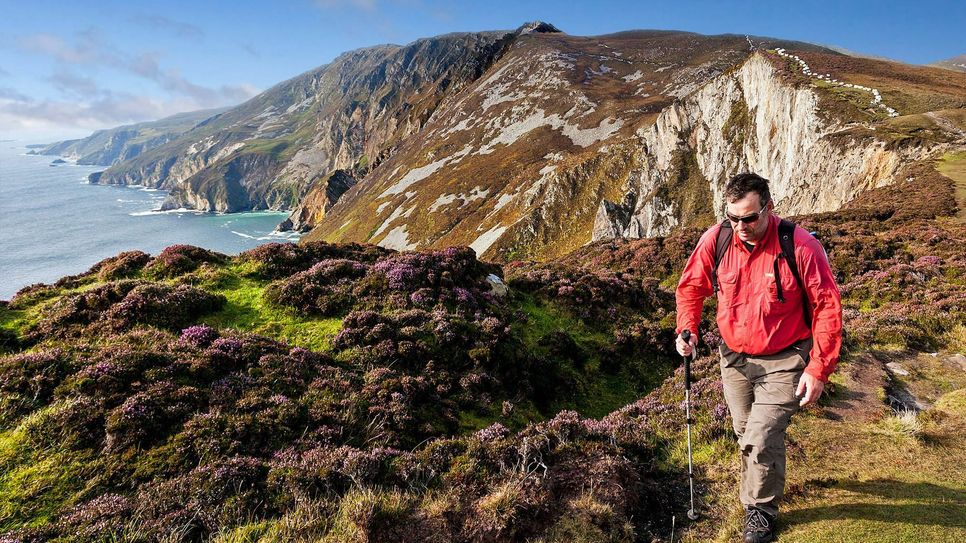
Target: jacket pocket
x=727 y=285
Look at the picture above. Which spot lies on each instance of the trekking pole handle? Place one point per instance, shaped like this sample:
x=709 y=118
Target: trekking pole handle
x=686 y=336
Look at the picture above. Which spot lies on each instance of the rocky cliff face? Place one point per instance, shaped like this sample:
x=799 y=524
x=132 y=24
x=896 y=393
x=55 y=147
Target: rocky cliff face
x=517 y=164
x=748 y=120
x=343 y=116
x=320 y=199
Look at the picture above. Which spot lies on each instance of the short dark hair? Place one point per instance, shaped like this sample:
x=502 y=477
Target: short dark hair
x=743 y=183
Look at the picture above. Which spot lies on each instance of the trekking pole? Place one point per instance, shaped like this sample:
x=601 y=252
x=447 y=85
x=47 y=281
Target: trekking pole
x=686 y=336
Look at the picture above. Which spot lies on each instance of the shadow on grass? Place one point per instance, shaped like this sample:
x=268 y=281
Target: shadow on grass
x=934 y=505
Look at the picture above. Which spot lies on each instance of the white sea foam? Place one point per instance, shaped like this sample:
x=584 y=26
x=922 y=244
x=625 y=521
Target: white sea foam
x=166 y=212
x=275 y=235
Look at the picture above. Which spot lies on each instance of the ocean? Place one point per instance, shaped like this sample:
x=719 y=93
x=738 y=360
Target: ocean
x=53 y=223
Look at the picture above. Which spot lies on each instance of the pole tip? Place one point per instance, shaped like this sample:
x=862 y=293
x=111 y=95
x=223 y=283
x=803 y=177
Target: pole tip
x=693 y=515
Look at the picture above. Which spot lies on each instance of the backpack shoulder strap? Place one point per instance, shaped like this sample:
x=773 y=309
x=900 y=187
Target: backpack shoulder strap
x=721 y=245
x=786 y=240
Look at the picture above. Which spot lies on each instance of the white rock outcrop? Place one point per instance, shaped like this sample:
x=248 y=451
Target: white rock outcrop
x=748 y=120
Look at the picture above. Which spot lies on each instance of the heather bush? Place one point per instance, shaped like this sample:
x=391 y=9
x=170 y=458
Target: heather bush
x=121 y=266
x=112 y=373
x=196 y=504
x=75 y=423
x=326 y=288
x=290 y=373
x=364 y=253
x=78 y=310
x=451 y=276
x=279 y=260
x=164 y=306
x=199 y=335
x=148 y=416
x=33 y=294
x=396 y=281
x=101 y=518
x=181 y=259
x=591 y=294
x=214 y=434
x=27 y=381
x=327 y=471
x=275 y=260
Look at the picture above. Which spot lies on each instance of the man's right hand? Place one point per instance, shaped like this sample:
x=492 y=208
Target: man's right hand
x=685 y=348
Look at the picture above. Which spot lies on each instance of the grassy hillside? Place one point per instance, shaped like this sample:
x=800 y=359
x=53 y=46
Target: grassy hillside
x=323 y=392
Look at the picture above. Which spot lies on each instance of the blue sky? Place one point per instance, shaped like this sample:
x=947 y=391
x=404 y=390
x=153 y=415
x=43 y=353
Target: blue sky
x=69 y=67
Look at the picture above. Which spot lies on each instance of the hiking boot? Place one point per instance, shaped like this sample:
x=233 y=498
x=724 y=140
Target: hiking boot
x=759 y=526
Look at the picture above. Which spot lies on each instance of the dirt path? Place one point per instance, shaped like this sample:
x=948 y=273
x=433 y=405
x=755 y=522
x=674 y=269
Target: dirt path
x=859 y=398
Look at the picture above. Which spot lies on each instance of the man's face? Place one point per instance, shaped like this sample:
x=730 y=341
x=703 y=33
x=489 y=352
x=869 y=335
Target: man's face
x=749 y=206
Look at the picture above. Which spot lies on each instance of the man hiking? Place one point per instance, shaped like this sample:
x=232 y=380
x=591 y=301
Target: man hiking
x=781 y=328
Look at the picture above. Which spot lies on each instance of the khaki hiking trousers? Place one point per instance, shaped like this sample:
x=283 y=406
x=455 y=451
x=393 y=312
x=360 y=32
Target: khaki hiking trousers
x=760 y=391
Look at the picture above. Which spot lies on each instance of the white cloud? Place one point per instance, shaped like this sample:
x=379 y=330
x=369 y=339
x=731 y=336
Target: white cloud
x=71 y=83
x=90 y=50
x=86 y=105
x=25 y=117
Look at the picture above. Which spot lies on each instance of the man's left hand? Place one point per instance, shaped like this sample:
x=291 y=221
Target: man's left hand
x=811 y=387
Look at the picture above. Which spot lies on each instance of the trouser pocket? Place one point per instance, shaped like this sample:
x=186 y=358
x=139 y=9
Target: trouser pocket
x=803 y=350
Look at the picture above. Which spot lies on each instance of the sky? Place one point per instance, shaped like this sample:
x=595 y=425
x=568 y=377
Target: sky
x=70 y=67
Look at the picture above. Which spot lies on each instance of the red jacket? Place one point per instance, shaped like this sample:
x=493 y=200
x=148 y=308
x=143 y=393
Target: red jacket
x=750 y=317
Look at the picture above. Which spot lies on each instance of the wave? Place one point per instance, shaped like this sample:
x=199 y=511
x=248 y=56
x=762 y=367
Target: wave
x=274 y=235
x=166 y=212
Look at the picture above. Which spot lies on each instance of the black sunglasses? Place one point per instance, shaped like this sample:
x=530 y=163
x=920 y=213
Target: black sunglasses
x=747 y=219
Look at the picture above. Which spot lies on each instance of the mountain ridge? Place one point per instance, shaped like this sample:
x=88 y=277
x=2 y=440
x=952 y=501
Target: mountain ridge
x=463 y=127
x=114 y=145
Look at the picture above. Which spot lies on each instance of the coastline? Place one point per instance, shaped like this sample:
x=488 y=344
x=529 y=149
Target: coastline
x=73 y=225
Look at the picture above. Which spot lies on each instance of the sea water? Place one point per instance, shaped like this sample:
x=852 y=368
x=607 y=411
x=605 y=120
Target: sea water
x=54 y=223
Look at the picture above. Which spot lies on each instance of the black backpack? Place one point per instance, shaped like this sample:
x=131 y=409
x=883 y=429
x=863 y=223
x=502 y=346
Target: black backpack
x=786 y=240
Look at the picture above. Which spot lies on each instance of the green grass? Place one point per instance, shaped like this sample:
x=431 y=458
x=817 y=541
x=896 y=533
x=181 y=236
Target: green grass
x=523 y=413
x=886 y=510
x=36 y=484
x=249 y=533
x=246 y=310
x=15 y=320
x=597 y=393
x=897 y=479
